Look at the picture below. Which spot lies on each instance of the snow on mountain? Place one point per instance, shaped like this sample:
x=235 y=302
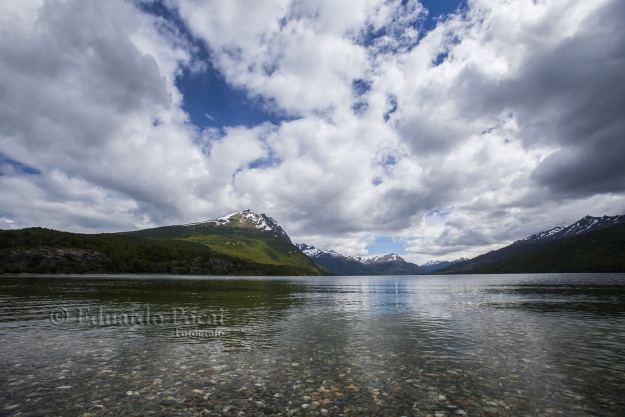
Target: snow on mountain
x=438 y=262
x=335 y=263
x=373 y=259
x=247 y=218
x=584 y=225
x=313 y=252
x=435 y=265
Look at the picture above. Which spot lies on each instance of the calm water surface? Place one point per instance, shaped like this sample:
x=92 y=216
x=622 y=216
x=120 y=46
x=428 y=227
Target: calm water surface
x=490 y=345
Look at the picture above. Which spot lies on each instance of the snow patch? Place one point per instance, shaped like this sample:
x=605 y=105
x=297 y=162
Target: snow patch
x=585 y=225
x=259 y=221
x=313 y=252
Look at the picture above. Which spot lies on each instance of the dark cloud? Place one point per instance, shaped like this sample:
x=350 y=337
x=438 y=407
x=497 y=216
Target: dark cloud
x=571 y=98
x=74 y=74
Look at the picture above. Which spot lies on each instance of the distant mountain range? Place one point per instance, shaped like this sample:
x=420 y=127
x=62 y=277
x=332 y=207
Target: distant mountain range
x=566 y=247
x=433 y=266
x=336 y=264
x=591 y=244
x=246 y=243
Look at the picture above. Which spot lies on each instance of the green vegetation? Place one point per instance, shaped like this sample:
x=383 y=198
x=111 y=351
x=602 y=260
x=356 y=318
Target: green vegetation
x=240 y=241
x=238 y=249
x=599 y=251
x=174 y=250
x=258 y=250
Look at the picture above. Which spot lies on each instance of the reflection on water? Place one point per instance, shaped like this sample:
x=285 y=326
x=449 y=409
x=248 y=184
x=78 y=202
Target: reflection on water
x=154 y=306
x=477 y=345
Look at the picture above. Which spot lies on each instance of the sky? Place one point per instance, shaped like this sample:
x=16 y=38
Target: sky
x=434 y=129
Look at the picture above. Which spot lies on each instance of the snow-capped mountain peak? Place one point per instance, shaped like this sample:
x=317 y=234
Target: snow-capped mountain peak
x=372 y=259
x=435 y=265
x=335 y=263
x=446 y=262
x=247 y=218
x=584 y=225
x=313 y=252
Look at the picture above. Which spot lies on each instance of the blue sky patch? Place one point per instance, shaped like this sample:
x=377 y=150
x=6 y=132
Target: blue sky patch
x=440 y=58
x=383 y=245
x=208 y=99
x=10 y=166
x=211 y=102
x=392 y=103
x=265 y=162
x=360 y=107
x=438 y=9
x=361 y=87
x=439 y=212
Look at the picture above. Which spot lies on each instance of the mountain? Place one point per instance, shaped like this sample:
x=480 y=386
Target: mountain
x=334 y=263
x=584 y=225
x=378 y=259
x=245 y=219
x=242 y=243
x=600 y=250
x=337 y=264
x=246 y=235
x=538 y=242
x=391 y=264
x=246 y=243
x=433 y=266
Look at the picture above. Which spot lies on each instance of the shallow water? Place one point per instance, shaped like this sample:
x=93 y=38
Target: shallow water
x=490 y=345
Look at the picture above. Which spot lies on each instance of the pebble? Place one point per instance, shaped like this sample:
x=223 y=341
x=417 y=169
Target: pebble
x=133 y=372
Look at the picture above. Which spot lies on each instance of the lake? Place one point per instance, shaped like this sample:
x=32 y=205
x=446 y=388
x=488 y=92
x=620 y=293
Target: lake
x=480 y=345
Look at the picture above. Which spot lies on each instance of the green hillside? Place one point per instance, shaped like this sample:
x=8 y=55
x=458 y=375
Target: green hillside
x=237 y=241
x=599 y=251
x=169 y=250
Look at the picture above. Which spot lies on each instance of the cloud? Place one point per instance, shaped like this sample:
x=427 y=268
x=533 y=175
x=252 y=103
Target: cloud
x=82 y=98
x=504 y=120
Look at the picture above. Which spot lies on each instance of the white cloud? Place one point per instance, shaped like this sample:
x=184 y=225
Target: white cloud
x=484 y=119
x=81 y=98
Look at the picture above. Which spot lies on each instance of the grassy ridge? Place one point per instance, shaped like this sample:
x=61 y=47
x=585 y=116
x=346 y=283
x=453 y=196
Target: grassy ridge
x=599 y=251
x=258 y=250
x=38 y=250
x=242 y=242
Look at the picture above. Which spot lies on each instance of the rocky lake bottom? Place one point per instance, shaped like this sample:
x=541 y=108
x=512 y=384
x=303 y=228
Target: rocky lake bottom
x=496 y=345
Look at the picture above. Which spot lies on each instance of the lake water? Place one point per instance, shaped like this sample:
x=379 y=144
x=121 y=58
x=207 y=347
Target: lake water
x=489 y=345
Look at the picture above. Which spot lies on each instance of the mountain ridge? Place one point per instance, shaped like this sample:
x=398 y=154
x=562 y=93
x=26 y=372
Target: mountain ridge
x=240 y=243
x=435 y=265
x=248 y=243
x=259 y=221
x=584 y=225
x=336 y=263
x=536 y=242
x=601 y=250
